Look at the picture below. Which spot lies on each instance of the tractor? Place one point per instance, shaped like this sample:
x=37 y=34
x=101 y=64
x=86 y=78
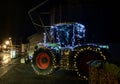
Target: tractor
x=67 y=49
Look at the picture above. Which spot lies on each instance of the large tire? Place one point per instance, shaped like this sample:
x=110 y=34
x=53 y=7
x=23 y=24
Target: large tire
x=84 y=55
x=43 y=61
x=107 y=54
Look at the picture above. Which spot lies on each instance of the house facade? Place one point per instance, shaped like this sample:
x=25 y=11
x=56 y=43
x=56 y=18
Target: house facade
x=33 y=40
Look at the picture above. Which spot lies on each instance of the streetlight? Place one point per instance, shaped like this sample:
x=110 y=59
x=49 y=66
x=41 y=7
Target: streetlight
x=7 y=42
x=4 y=46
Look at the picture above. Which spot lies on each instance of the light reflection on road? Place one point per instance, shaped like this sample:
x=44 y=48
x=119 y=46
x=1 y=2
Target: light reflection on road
x=4 y=58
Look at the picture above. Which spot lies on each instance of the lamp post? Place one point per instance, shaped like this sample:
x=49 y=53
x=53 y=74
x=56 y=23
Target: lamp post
x=11 y=45
x=12 y=50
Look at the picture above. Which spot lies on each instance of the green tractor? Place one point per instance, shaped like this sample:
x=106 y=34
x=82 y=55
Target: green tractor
x=67 y=49
x=64 y=45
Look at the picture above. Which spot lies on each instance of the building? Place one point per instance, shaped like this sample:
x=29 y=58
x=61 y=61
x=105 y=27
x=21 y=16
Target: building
x=33 y=40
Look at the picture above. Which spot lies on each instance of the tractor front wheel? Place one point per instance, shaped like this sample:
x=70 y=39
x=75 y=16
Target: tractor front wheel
x=43 y=61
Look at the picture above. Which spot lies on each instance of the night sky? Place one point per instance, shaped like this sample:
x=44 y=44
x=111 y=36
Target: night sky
x=100 y=18
x=14 y=19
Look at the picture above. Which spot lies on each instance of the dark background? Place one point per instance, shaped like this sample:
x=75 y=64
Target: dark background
x=100 y=17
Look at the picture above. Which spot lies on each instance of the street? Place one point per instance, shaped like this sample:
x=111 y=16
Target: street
x=15 y=72
x=18 y=73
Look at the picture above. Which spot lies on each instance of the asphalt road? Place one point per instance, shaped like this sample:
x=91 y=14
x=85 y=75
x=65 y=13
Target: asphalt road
x=17 y=73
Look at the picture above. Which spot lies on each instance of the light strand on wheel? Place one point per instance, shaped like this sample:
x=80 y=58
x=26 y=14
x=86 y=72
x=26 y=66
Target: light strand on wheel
x=82 y=50
x=51 y=54
x=54 y=59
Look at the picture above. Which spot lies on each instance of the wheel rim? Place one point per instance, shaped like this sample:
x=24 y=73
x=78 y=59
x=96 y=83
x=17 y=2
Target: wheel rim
x=43 y=60
x=84 y=60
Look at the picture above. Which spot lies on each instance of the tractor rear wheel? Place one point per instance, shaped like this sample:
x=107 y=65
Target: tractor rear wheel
x=83 y=56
